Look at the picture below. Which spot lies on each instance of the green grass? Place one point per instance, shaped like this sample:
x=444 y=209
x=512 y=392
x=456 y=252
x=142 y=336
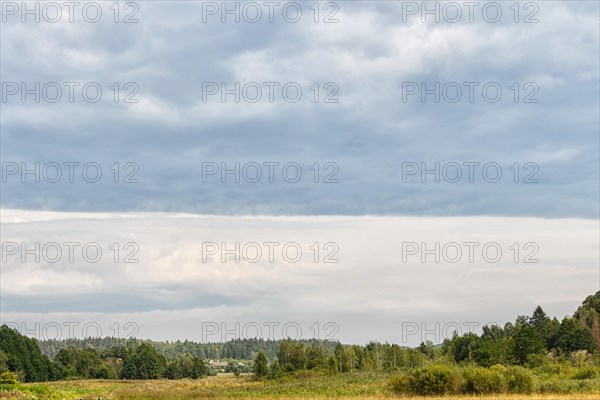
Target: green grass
x=304 y=385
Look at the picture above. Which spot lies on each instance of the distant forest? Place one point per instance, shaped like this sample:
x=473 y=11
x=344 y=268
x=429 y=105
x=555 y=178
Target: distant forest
x=529 y=342
x=238 y=349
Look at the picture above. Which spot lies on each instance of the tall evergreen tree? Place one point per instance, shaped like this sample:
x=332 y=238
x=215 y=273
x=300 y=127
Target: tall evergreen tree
x=23 y=356
x=261 y=365
x=545 y=326
x=144 y=362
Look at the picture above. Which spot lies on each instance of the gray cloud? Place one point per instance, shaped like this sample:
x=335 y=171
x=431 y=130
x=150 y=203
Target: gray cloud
x=369 y=133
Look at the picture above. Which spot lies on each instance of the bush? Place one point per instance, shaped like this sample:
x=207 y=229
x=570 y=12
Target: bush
x=553 y=368
x=585 y=373
x=537 y=360
x=519 y=380
x=9 y=378
x=484 y=381
x=563 y=386
x=400 y=384
x=439 y=380
x=434 y=380
x=103 y=372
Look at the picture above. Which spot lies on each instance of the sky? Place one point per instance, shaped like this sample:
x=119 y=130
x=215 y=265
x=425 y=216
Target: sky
x=358 y=132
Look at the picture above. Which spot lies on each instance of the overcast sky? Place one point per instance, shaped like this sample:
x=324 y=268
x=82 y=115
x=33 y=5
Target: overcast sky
x=356 y=168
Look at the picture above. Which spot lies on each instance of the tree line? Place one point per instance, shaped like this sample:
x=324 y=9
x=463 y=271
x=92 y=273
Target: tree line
x=22 y=355
x=237 y=349
x=527 y=342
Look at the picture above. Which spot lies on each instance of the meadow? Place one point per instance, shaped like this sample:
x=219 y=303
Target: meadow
x=227 y=386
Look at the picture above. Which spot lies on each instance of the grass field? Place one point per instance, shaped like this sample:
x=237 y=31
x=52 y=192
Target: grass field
x=355 y=386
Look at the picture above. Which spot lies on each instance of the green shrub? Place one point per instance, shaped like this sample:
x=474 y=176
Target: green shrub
x=538 y=360
x=519 y=380
x=484 y=381
x=103 y=372
x=585 y=373
x=434 y=380
x=400 y=384
x=9 y=378
x=549 y=369
x=565 y=386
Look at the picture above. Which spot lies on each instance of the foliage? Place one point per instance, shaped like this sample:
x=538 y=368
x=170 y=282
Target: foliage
x=85 y=364
x=237 y=349
x=186 y=366
x=23 y=356
x=527 y=340
x=484 y=381
x=572 y=337
x=291 y=355
x=275 y=370
x=519 y=380
x=316 y=357
x=9 y=378
x=261 y=365
x=144 y=362
x=586 y=373
x=433 y=380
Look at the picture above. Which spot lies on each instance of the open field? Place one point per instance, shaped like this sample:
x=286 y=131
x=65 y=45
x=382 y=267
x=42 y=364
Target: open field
x=356 y=386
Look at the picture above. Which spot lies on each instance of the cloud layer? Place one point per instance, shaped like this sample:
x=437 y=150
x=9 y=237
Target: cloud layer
x=358 y=170
x=378 y=283
x=369 y=53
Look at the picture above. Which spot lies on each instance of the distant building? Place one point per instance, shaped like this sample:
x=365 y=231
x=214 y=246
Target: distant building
x=216 y=364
